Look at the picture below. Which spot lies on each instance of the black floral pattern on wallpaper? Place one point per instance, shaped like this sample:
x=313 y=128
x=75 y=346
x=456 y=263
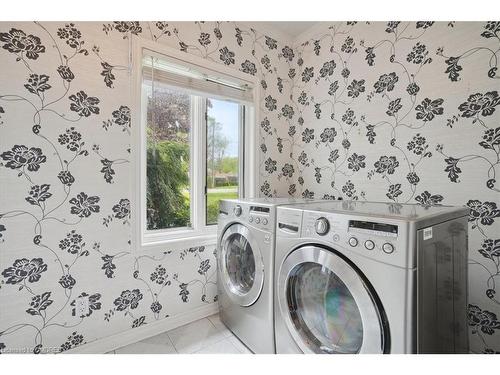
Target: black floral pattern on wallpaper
x=491 y=30
x=155 y=283
x=25 y=270
x=21 y=45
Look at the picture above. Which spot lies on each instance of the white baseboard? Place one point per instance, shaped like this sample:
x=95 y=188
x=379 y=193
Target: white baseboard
x=145 y=331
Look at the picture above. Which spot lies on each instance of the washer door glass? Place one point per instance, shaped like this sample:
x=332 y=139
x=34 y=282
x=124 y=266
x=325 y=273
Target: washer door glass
x=326 y=304
x=326 y=314
x=240 y=263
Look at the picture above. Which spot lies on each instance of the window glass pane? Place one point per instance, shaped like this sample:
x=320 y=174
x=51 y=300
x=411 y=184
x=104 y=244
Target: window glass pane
x=168 y=129
x=223 y=127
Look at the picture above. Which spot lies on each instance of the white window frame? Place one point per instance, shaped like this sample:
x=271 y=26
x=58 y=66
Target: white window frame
x=200 y=233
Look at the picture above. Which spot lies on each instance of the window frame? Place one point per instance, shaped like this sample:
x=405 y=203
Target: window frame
x=200 y=233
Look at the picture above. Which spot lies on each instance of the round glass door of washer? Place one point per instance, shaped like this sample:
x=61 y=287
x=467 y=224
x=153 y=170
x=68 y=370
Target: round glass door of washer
x=326 y=314
x=241 y=265
x=326 y=305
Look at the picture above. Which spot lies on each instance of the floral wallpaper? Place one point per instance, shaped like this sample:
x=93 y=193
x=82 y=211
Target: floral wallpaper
x=65 y=123
x=404 y=112
x=393 y=111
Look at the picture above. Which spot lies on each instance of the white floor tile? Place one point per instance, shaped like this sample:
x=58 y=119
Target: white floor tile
x=215 y=319
x=222 y=347
x=205 y=336
x=195 y=336
x=161 y=339
x=142 y=347
x=239 y=345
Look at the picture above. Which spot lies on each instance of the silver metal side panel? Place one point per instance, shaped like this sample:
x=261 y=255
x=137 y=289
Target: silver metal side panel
x=442 y=288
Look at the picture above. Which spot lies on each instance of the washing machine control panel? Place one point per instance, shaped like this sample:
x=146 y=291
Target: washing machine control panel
x=257 y=216
x=374 y=238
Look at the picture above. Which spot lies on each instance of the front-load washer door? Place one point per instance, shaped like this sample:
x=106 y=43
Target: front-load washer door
x=327 y=305
x=241 y=265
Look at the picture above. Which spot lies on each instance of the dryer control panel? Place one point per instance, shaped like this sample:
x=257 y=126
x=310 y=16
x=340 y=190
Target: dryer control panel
x=381 y=239
x=258 y=216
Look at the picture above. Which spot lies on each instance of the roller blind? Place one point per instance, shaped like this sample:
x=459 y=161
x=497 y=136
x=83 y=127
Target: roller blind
x=195 y=79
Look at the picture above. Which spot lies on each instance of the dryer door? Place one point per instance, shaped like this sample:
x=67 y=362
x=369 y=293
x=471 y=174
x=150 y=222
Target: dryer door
x=327 y=305
x=241 y=265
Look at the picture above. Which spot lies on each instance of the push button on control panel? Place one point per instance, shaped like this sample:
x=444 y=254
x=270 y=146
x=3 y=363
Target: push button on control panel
x=250 y=219
x=257 y=220
x=264 y=221
x=369 y=244
x=353 y=241
x=388 y=248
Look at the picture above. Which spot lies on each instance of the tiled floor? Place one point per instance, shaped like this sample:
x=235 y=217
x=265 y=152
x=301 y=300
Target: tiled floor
x=204 y=336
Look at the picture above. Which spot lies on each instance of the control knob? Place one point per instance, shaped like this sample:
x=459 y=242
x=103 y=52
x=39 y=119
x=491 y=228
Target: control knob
x=353 y=241
x=237 y=210
x=322 y=226
x=369 y=244
x=388 y=248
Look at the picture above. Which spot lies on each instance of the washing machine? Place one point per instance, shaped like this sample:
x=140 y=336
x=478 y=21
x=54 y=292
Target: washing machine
x=367 y=277
x=245 y=260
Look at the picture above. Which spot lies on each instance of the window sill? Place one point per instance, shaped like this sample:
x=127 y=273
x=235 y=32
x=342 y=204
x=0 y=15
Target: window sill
x=179 y=240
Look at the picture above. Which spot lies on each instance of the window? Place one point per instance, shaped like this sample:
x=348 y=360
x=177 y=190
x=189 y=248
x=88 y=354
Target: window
x=168 y=156
x=225 y=122
x=196 y=123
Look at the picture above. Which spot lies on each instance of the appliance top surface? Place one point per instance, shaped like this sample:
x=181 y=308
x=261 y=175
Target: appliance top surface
x=409 y=212
x=271 y=201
